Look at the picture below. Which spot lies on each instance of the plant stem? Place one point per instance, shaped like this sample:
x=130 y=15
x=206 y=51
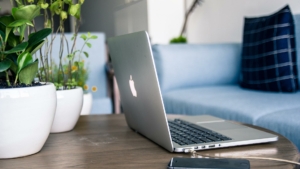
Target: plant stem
x=12 y=3
x=77 y=24
x=60 y=69
x=17 y=76
x=43 y=65
x=7 y=78
x=188 y=14
x=2 y=48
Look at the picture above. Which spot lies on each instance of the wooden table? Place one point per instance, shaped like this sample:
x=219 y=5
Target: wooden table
x=105 y=141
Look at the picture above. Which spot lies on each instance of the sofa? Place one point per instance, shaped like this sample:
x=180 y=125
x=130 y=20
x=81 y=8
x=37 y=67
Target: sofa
x=197 y=79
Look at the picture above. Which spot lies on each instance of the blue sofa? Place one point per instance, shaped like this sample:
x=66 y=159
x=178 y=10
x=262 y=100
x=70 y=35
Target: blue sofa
x=198 y=79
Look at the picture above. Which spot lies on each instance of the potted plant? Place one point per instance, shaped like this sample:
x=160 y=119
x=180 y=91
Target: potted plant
x=64 y=75
x=79 y=70
x=27 y=108
x=69 y=106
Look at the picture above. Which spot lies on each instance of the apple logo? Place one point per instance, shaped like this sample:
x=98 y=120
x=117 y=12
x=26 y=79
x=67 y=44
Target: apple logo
x=132 y=87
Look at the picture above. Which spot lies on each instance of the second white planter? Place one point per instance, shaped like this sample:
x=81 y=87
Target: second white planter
x=69 y=105
x=87 y=104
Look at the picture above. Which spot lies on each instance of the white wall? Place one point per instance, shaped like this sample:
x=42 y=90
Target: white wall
x=221 y=21
x=5 y=6
x=131 y=17
x=165 y=19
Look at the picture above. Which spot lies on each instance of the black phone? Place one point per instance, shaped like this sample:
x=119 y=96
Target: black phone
x=208 y=163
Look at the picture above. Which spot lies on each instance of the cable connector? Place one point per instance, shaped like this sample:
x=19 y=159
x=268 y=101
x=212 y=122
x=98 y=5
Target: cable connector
x=189 y=150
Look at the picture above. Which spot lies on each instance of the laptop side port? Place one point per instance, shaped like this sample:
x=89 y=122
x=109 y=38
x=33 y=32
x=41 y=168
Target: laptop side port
x=211 y=146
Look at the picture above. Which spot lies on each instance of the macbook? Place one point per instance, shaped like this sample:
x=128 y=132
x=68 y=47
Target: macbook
x=144 y=110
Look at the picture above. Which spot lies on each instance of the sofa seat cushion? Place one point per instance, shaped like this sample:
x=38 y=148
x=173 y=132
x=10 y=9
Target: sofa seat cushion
x=285 y=122
x=228 y=102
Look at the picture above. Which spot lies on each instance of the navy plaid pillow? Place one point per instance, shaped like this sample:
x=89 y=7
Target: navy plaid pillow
x=269 y=55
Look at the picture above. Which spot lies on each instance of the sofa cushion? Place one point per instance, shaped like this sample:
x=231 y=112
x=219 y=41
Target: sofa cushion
x=269 y=56
x=229 y=102
x=187 y=65
x=285 y=122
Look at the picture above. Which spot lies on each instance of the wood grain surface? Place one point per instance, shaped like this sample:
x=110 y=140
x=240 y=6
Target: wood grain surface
x=105 y=141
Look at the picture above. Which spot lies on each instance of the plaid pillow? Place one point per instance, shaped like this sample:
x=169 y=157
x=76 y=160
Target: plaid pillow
x=269 y=55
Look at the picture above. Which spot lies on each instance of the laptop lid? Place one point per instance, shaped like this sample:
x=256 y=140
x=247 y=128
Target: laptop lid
x=136 y=76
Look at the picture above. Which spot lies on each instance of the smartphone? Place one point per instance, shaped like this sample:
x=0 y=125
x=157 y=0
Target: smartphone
x=208 y=163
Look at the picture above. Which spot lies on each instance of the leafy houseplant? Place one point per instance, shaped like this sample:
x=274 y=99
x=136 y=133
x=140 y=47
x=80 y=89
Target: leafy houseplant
x=26 y=113
x=17 y=65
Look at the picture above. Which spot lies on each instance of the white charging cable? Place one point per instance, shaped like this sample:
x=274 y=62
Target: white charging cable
x=194 y=153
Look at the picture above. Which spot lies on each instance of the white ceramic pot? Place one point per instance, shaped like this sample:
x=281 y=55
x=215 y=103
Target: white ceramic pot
x=87 y=104
x=26 y=116
x=69 y=104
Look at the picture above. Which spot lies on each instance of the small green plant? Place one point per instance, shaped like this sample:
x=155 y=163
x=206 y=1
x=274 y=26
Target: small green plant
x=77 y=74
x=18 y=46
x=180 y=39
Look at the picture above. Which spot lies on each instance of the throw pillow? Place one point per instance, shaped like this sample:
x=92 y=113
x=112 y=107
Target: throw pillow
x=269 y=54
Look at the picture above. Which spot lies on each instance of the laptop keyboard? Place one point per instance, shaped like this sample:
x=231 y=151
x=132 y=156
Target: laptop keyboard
x=185 y=133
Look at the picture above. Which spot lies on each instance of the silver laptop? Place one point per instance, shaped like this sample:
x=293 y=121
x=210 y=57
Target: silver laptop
x=144 y=109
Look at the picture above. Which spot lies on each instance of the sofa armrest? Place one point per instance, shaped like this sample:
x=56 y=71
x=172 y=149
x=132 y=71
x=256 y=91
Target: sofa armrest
x=188 y=65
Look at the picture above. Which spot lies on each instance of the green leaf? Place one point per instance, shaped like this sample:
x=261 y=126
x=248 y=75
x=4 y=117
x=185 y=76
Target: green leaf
x=56 y=7
x=89 y=45
x=70 y=56
x=63 y=15
x=13 y=66
x=37 y=37
x=73 y=9
x=89 y=34
x=68 y=2
x=48 y=24
x=83 y=36
x=44 y=5
x=13 y=40
x=2 y=34
x=22 y=31
x=81 y=1
x=28 y=12
x=80 y=64
x=35 y=48
x=6 y=20
x=20 y=22
x=4 y=65
x=18 y=48
x=94 y=37
x=86 y=54
x=23 y=60
x=7 y=32
x=29 y=72
x=78 y=15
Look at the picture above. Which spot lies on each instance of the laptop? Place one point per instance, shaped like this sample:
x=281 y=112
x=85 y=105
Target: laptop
x=144 y=110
